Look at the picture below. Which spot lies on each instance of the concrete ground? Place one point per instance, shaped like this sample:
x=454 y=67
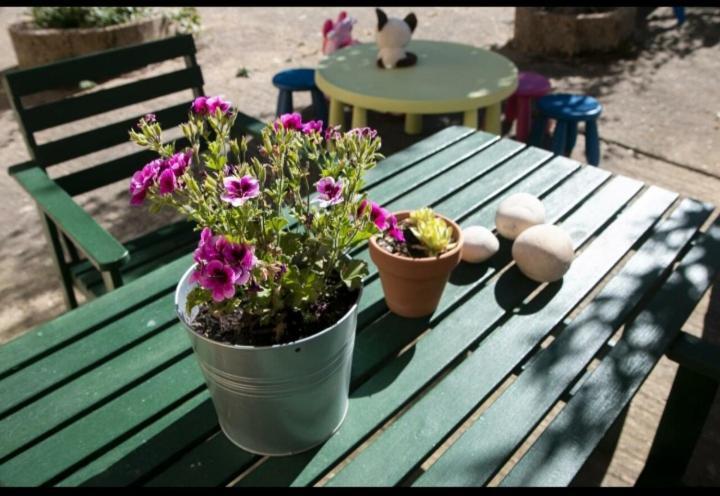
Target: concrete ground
x=661 y=124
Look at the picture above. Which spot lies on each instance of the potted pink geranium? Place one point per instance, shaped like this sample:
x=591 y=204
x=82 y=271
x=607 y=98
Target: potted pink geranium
x=270 y=304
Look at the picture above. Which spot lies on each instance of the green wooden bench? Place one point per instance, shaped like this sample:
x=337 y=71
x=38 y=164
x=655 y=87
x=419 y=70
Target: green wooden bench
x=86 y=255
x=111 y=394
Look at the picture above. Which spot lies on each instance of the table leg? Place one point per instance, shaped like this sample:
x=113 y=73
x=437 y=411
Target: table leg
x=359 y=117
x=337 y=115
x=470 y=118
x=492 y=118
x=413 y=123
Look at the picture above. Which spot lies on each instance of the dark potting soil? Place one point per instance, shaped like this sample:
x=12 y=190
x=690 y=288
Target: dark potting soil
x=236 y=329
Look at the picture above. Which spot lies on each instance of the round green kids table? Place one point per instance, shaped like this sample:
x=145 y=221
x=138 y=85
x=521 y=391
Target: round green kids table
x=448 y=77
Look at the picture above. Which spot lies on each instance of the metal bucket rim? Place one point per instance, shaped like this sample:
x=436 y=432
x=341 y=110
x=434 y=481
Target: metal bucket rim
x=272 y=347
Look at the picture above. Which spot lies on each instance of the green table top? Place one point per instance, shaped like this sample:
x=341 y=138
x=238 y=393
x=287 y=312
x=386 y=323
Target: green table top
x=111 y=394
x=448 y=77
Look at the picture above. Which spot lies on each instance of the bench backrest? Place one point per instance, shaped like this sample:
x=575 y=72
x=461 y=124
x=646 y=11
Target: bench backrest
x=101 y=66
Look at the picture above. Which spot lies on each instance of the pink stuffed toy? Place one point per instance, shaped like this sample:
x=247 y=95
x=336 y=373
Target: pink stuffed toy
x=338 y=34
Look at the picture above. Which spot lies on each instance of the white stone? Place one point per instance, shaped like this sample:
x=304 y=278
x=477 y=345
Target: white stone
x=518 y=212
x=543 y=252
x=479 y=244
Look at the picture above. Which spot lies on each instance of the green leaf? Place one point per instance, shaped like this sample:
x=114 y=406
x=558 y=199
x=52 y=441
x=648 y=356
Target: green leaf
x=353 y=272
x=277 y=223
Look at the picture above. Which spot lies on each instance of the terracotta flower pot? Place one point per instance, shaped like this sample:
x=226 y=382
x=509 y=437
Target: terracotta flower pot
x=413 y=286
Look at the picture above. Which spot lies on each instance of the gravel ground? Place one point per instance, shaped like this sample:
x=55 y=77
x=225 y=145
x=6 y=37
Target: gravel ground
x=660 y=124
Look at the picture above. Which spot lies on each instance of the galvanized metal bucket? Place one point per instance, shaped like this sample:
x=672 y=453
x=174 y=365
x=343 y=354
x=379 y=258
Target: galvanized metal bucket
x=281 y=399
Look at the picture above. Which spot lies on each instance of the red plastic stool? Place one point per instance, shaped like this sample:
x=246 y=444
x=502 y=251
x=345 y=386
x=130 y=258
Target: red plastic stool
x=531 y=86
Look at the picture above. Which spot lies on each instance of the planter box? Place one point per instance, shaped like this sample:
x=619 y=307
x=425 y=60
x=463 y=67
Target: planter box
x=541 y=32
x=35 y=46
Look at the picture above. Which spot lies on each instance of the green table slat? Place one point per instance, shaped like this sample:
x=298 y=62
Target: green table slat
x=428 y=421
x=483 y=449
x=444 y=161
x=81 y=441
x=70 y=360
x=564 y=446
x=393 y=385
x=62 y=404
x=58 y=332
x=399 y=161
x=131 y=459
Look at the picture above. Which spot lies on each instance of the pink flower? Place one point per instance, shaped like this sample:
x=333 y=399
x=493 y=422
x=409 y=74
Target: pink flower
x=332 y=133
x=179 y=162
x=330 y=191
x=216 y=102
x=142 y=180
x=239 y=256
x=393 y=229
x=200 y=106
x=206 y=251
x=312 y=127
x=219 y=279
x=379 y=216
x=238 y=190
x=289 y=121
x=167 y=182
x=364 y=132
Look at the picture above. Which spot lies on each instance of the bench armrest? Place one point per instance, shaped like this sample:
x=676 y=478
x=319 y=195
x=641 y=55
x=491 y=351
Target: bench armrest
x=101 y=248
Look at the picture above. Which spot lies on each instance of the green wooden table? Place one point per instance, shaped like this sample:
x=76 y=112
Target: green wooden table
x=110 y=393
x=448 y=77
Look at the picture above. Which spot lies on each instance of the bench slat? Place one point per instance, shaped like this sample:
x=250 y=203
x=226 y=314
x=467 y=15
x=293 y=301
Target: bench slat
x=98 y=66
x=563 y=447
x=77 y=145
x=78 y=107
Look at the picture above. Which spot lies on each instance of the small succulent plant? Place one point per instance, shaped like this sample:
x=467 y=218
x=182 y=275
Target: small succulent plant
x=421 y=234
x=432 y=231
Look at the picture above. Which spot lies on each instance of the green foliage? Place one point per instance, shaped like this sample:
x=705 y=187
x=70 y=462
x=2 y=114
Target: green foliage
x=184 y=19
x=432 y=231
x=301 y=244
x=84 y=17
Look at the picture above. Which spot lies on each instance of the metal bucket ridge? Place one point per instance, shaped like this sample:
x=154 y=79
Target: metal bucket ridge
x=280 y=399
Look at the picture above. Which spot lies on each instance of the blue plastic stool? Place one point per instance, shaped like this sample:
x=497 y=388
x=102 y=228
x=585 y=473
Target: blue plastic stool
x=568 y=110
x=679 y=15
x=299 y=80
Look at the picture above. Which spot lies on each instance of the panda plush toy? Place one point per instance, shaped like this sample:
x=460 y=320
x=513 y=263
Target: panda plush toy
x=392 y=37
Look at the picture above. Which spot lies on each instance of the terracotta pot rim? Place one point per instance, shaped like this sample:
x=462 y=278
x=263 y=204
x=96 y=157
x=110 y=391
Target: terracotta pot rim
x=401 y=214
